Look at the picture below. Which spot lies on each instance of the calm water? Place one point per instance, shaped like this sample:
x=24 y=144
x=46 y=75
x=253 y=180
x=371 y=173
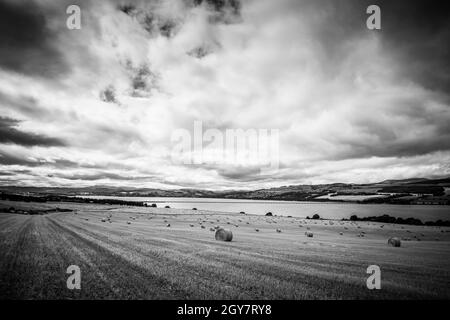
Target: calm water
x=327 y=210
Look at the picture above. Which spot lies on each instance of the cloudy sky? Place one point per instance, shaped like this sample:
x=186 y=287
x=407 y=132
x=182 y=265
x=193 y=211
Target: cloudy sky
x=99 y=105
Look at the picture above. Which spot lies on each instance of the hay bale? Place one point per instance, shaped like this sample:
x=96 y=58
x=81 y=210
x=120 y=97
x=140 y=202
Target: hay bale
x=394 y=242
x=128 y=222
x=269 y=214
x=191 y=225
x=341 y=233
x=223 y=235
x=309 y=234
x=194 y=208
x=212 y=229
x=168 y=225
x=257 y=230
x=167 y=207
x=202 y=226
x=279 y=230
x=103 y=220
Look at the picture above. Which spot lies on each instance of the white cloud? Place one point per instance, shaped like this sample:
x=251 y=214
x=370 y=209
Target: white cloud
x=343 y=115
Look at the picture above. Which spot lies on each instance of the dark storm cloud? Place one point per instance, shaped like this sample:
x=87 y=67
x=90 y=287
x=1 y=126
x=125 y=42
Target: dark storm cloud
x=222 y=12
x=151 y=22
x=10 y=135
x=226 y=11
x=418 y=32
x=27 y=44
x=417 y=147
x=415 y=33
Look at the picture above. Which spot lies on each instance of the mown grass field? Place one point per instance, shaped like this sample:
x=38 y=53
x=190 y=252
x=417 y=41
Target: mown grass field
x=148 y=260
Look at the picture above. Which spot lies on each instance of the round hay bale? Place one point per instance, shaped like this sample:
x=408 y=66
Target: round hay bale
x=191 y=225
x=103 y=220
x=224 y=235
x=212 y=229
x=309 y=234
x=168 y=225
x=279 y=230
x=395 y=242
x=167 y=207
x=341 y=233
x=128 y=222
x=202 y=226
x=194 y=208
x=257 y=230
x=269 y=214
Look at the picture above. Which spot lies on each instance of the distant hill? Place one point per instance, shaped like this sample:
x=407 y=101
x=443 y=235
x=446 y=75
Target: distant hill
x=289 y=193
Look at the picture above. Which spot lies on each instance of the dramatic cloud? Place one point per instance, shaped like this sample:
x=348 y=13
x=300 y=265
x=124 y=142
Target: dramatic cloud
x=10 y=135
x=100 y=105
x=27 y=40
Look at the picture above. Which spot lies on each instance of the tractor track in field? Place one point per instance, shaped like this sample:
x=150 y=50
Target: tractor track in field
x=116 y=270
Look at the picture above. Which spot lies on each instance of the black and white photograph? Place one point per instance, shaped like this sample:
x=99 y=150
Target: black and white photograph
x=226 y=150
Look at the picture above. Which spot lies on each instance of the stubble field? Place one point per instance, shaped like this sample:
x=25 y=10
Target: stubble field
x=133 y=254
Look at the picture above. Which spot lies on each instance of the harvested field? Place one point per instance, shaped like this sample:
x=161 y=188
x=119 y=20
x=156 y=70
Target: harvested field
x=147 y=260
